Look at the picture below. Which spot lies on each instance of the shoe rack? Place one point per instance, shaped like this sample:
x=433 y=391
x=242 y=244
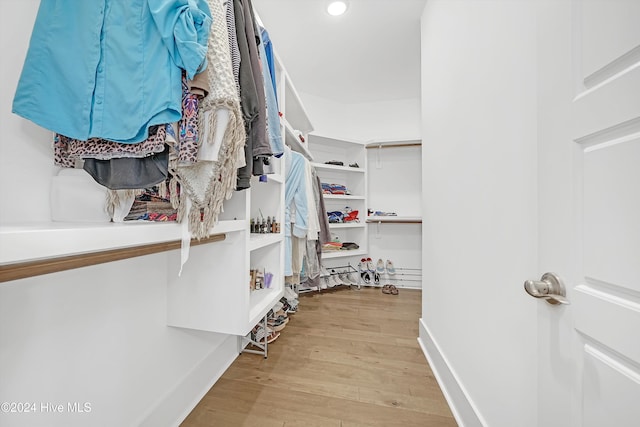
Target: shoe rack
x=349 y=152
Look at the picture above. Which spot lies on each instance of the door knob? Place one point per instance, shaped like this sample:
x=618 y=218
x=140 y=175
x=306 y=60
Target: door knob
x=549 y=288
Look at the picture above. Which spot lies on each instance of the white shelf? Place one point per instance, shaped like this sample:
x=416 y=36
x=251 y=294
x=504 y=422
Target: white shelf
x=294 y=110
x=257 y=241
x=337 y=167
x=346 y=225
x=275 y=177
x=36 y=241
x=342 y=254
x=330 y=141
x=340 y=196
x=292 y=140
x=261 y=301
x=391 y=219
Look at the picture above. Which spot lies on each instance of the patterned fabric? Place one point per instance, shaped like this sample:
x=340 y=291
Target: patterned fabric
x=188 y=139
x=207 y=184
x=66 y=150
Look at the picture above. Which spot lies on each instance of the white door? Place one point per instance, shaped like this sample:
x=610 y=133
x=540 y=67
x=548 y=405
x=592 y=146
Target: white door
x=589 y=203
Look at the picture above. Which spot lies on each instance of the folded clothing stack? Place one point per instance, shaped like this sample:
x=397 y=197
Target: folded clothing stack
x=334 y=189
x=331 y=246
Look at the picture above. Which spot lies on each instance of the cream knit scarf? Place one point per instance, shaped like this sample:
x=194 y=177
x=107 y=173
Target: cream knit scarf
x=209 y=183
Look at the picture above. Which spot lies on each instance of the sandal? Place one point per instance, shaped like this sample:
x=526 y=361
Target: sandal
x=393 y=290
x=386 y=290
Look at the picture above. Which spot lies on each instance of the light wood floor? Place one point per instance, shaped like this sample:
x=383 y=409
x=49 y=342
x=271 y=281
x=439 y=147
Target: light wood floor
x=348 y=358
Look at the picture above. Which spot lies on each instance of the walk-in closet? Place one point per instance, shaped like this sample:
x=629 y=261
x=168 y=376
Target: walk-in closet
x=319 y=213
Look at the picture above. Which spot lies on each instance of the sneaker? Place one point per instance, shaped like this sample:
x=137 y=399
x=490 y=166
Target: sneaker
x=366 y=277
x=352 y=279
x=380 y=266
x=376 y=278
x=348 y=279
x=324 y=282
x=390 y=268
x=370 y=265
x=334 y=281
x=290 y=294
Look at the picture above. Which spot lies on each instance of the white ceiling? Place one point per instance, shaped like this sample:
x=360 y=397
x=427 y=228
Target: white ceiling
x=371 y=53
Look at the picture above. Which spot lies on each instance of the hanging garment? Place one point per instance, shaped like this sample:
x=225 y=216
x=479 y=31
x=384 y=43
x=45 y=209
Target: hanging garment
x=211 y=180
x=268 y=48
x=130 y=173
x=273 y=118
x=251 y=94
x=110 y=69
x=248 y=95
x=233 y=42
x=67 y=150
x=295 y=203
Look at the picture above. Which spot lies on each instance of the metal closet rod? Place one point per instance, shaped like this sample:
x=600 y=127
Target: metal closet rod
x=22 y=270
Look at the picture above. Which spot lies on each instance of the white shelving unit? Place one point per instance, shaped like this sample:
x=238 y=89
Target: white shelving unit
x=219 y=298
x=348 y=152
x=394 y=171
x=213 y=293
x=293 y=115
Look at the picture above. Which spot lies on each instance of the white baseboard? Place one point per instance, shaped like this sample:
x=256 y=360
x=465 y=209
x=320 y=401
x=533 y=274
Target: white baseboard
x=174 y=407
x=462 y=407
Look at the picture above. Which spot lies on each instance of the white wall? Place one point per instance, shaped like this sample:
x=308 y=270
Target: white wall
x=479 y=206
x=398 y=119
x=95 y=334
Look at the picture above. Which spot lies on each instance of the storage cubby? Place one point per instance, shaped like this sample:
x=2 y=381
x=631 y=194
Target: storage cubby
x=327 y=149
x=269 y=258
x=211 y=293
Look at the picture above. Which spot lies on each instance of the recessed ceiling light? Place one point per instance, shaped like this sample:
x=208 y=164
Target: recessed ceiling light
x=337 y=8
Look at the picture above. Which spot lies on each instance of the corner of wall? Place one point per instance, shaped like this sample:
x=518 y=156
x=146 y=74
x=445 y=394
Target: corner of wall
x=462 y=407
x=178 y=403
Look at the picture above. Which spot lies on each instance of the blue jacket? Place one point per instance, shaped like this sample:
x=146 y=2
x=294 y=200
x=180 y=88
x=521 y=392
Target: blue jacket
x=111 y=68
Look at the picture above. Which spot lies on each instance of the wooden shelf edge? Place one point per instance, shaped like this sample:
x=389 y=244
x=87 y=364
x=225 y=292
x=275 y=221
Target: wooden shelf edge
x=394 y=220
x=23 y=270
x=392 y=145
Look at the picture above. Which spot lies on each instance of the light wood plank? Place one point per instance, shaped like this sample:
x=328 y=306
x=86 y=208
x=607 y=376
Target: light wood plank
x=347 y=358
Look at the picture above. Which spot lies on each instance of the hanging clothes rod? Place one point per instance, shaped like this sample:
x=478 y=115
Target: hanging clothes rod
x=23 y=270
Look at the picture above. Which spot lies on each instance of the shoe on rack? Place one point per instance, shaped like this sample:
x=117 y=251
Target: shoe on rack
x=380 y=266
x=345 y=280
x=370 y=266
x=335 y=279
x=262 y=335
x=391 y=270
x=352 y=279
x=366 y=277
x=290 y=294
x=376 y=278
x=307 y=288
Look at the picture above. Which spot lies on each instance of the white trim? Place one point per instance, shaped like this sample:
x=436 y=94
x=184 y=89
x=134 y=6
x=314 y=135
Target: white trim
x=464 y=410
x=177 y=404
